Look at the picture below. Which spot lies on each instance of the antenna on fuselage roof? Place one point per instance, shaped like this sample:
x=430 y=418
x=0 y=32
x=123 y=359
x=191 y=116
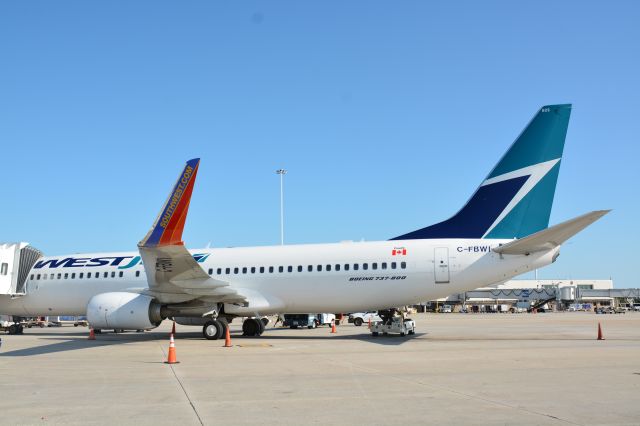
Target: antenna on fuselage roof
x=208 y=245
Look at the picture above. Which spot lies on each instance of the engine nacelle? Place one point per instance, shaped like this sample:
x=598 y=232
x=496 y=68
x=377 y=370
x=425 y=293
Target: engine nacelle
x=122 y=310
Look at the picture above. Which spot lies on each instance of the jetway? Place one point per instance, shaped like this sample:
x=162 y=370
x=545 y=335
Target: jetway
x=16 y=260
x=519 y=294
x=622 y=293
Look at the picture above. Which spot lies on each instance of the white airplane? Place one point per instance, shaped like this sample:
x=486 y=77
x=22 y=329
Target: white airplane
x=501 y=232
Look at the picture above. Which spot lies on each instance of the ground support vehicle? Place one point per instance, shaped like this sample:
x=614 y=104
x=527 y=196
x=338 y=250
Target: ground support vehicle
x=392 y=322
x=11 y=327
x=396 y=325
x=300 y=320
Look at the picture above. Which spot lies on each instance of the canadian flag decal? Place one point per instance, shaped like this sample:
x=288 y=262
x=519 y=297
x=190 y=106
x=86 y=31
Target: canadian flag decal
x=399 y=251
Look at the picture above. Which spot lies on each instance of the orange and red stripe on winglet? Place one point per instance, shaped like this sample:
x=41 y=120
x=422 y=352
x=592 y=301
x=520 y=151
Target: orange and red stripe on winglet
x=167 y=229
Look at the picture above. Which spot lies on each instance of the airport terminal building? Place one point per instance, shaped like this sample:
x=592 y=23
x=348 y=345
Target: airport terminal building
x=555 y=294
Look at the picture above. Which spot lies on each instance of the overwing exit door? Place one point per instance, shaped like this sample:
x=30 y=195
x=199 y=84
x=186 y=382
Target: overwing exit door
x=441 y=265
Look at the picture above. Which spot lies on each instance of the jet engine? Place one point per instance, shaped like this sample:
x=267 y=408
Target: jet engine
x=122 y=310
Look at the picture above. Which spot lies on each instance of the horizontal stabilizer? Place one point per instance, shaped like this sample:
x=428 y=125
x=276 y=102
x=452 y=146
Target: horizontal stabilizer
x=551 y=237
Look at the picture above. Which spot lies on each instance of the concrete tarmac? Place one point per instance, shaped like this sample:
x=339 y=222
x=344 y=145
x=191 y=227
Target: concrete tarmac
x=486 y=369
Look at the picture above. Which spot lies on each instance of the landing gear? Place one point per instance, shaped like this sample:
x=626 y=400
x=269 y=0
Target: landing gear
x=215 y=329
x=252 y=327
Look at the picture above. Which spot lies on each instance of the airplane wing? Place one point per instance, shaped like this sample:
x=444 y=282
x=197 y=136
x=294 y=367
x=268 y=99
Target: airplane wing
x=551 y=237
x=173 y=275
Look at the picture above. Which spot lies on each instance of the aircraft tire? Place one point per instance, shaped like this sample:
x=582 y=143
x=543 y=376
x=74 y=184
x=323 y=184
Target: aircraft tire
x=212 y=330
x=261 y=326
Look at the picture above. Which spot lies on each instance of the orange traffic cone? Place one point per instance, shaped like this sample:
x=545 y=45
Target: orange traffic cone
x=600 y=336
x=369 y=323
x=333 y=326
x=171 y=358
x=92 y=334
x=227 y=338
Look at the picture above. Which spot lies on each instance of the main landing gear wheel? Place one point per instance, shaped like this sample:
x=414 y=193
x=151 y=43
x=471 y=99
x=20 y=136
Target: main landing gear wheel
x=252 y=327
x=215 y=329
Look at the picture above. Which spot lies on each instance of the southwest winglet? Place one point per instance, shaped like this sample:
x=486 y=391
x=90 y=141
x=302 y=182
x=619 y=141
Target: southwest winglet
x=168 y=226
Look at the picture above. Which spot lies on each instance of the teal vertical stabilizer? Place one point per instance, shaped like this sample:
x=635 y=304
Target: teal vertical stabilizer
x=515 y=199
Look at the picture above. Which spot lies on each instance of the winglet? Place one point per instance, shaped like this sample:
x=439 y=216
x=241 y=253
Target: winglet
x=167 y=229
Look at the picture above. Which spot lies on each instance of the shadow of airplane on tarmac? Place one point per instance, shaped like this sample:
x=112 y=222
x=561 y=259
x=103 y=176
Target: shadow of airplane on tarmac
x=74 y=341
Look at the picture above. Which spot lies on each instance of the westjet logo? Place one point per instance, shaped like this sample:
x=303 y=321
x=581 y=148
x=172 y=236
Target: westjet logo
x=80 y=262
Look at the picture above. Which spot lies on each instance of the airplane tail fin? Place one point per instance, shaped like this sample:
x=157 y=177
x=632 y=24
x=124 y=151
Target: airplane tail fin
x=168 y=226
x=515 y=199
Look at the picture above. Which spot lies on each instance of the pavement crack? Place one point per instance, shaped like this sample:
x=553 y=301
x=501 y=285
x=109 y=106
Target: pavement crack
x=186 y=394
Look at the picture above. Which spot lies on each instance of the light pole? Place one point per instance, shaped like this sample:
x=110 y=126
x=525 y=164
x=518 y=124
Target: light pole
x=281 y=172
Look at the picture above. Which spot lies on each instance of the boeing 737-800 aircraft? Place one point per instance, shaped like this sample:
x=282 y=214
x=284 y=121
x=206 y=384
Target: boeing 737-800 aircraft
x=501 y=232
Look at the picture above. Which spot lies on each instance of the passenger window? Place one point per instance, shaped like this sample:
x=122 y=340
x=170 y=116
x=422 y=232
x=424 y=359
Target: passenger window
x=31 y=277
x=51 y=276
x=219 y=271
x=59 y=275
x=290 y=268
x=38 y=276
x=346 y=266
x=73 y=275
x=113 y=274
x=137 y=273
x=374 y=266
x=81 y=276
x=105 y=275
x=403 y=265
x=355 y=266
x=66 y=276
x=337 y=266
x=262 y=269
x=384 y=265
x=4 y=268
x=227 y=271
x=365 y=266
x=235 y=270
x=44 y=276
x=280 y=268
x=210 y=271
x=328 y=268
x=310 y=268
x=253 y=269
x=319 y=268
x=271 y=269
x=244 y=270
x=393 y=265
x=299 y=268
x=121 y=274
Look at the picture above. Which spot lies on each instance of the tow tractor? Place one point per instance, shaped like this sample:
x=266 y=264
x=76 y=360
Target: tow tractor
x=393 y=322
x=11 y=327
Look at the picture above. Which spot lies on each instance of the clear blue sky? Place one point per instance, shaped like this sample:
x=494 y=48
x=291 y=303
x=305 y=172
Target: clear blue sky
x=387 y=116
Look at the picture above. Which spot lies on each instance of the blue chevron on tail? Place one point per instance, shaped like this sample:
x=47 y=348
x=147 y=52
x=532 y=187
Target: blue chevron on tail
x=515 y=199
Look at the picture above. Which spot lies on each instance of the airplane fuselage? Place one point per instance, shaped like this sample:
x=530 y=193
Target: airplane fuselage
x=340 y=277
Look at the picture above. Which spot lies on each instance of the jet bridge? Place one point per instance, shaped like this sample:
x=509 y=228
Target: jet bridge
x=16 y=260
x=519 y=294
